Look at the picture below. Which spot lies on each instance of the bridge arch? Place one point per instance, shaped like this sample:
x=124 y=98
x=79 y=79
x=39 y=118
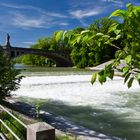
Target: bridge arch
x=62 y=59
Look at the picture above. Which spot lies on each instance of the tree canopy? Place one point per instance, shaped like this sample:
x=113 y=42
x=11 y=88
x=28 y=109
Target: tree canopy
x=129 y=50
x=124 y=37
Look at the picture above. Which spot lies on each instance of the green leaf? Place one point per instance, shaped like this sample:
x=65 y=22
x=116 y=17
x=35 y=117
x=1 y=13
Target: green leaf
x=127 y=77
x=64 y=34
x=94 y=77
x=85 y=39
x=99 y=44
x=139 y=81
x=128 y=5
x=138 y=76
x=65 y=39
x=120 y=13
x=85 y=31
x=78 y=39
x=129 y=35
x=117 y=37
x=111 y=74
x=106 y=36
x=128 y=59
x=117 y=31
x=101 y=72
x=101 y=78
x=99 y=34
x=125 y=70
x=129 y=84
x=113 y=27
x=119 y=54
x=58 y=35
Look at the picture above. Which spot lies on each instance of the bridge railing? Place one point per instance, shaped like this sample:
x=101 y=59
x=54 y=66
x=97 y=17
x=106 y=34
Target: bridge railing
x=11 y=126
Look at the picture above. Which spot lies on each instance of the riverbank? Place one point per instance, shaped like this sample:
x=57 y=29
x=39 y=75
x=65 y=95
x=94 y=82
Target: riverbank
x=61 y=125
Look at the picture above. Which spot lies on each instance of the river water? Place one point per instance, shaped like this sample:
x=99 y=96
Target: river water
x=112 y=108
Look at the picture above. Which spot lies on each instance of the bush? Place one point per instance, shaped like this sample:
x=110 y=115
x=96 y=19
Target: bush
x=9 y=76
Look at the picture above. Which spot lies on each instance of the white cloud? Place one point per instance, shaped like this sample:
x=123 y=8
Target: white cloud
x=27 y=22
x=28 y=42
x=8 y=5
x=116 y=2
x=55 y=15
x=81 y=9
x=64 y=24
x=33 y=8
x=82 y=3
x=27 y=17
x=85 y=13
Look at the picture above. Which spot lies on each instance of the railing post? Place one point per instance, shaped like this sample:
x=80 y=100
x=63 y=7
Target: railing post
x=40 y=131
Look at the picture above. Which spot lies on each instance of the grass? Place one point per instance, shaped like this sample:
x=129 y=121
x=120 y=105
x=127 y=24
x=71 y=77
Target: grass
x=65 y=137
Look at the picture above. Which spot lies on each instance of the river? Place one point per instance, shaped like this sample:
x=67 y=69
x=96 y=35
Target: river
x=112 y=108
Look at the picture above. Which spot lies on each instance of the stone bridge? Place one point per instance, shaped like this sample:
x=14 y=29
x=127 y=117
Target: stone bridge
x=61 y=58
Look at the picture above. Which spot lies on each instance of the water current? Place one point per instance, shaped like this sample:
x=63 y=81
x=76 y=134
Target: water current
x=112 y=108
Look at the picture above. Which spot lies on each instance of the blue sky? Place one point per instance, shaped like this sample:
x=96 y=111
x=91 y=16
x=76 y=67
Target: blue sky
x=28 y=20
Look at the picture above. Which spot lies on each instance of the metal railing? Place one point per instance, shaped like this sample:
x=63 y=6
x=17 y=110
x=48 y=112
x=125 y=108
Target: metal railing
x=3 y=124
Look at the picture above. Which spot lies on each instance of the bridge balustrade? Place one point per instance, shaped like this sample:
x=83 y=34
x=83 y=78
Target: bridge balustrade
x=11 y=128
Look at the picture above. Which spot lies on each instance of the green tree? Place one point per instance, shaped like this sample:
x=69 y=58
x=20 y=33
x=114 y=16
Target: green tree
x=9 y=76
x=129 y=51
x=87 y=48
x=102 y=25
x=123 y=37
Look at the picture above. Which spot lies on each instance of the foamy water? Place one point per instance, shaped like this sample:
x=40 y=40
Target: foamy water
x=77 y=90
x=112 y=108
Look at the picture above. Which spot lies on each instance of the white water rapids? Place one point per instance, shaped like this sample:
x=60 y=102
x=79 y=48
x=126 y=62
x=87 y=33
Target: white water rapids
x=110 y=108
x=77 y=90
